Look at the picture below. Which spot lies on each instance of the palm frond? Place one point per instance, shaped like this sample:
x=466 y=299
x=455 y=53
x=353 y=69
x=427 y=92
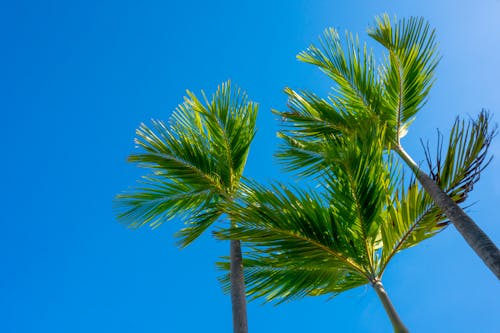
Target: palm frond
x=295 y=222
x=277 y=281
x=466 y=156
x=358 y=185
x=410 y=218
x=198 y=222
x=350 y=65
x=309 y=122
x=197 y=159
x=409 y=71
x=157 y=200
x=230 y=122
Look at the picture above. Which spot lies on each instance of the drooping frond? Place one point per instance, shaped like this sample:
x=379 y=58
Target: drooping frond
x=295 y=222
x=158 y=199
x=358 y=185
x=278 y=281
x=197 y=159
x=409 y=70
x=199 y=221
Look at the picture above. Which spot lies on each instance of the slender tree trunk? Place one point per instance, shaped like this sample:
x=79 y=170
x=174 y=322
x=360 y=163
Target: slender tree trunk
x=475 y=237
x=397 y=324
x=238 y=294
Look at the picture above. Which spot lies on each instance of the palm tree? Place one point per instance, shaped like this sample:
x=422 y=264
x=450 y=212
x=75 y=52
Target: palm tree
x=196 y=163
x=310 y=243
x=390 y=94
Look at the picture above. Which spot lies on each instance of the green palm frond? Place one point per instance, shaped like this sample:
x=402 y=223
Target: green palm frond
x=411 y=218
x=326 y=242
x=350 y=65
x=230 y=122
x=294 y=221
x=409 y=71
x=158 y=200
x=278 y=281
x=466 y=156
x=197 y=159
x=179 y=155
x=198 y=222
x=389 y=95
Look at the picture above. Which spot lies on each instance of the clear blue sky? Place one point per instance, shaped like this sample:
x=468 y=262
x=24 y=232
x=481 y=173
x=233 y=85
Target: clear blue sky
x=77 y=78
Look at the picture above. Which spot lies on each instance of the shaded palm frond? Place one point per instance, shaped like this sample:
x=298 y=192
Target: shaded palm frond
x=280 y=281
x=230 y=121
x=177 y=155
x=197 y=159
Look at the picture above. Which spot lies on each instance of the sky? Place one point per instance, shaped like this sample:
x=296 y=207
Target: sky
x=78 y=77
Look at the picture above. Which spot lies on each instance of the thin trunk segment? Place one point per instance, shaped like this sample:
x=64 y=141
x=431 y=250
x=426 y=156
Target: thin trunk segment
x=397 y=324
x=238 y=294
x=470 y=231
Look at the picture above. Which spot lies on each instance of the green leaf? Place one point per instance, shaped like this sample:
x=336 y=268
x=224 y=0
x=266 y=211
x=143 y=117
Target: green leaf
x=197 y=160
x=408 y=73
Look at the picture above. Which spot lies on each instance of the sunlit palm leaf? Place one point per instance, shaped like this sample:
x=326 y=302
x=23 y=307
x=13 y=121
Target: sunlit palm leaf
x=351 y=66
x=409 y=72
x=308 y=125
x=158 y=200
x=294 y=221
x=270 y=277
x=197 y=159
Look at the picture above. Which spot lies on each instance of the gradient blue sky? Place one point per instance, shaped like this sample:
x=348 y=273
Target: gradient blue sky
x=77 y=78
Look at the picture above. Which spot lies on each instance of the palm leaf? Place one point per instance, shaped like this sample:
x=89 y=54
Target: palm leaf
x=350 y=65
x=197 y=159
x=277 y=281
x=409 y=70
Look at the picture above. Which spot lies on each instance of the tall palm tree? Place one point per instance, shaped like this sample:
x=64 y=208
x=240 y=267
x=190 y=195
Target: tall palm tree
x=310 y=243
x=390 y=94
x=196 y=163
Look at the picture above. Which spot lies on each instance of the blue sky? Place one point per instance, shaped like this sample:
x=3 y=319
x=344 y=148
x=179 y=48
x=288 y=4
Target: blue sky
x=77 y=78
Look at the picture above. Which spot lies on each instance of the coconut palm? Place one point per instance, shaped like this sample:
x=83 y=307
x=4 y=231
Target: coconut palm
x=310 y=243
x=390 y=94
x=196 y=163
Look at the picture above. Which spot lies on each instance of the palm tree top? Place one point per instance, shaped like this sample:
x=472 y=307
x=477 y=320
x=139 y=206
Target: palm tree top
x=196 y=160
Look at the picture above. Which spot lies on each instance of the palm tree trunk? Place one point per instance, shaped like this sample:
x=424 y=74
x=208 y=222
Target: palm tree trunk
x=475 y=237
x=238 y=294
x=397 y=324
